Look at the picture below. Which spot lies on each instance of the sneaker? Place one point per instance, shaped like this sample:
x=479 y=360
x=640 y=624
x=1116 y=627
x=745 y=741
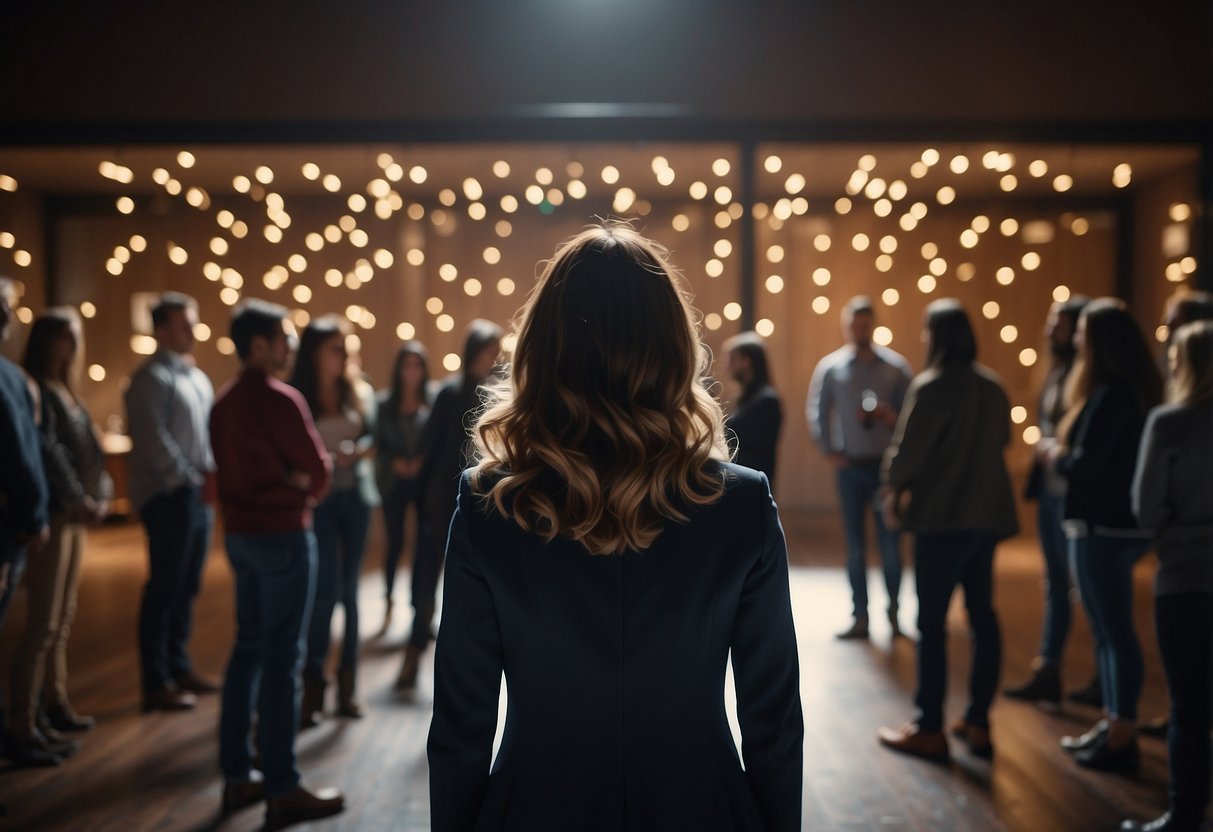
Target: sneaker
x=1087 y=740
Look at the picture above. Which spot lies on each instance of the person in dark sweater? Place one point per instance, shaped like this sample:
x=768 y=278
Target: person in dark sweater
x=402 y=412
x=1048 y=488
x=606 y=557
x=1173 y=497
x=271 y=469
x=758 y=415
x=448 y=452
x=1113 y=385
x=946 y=480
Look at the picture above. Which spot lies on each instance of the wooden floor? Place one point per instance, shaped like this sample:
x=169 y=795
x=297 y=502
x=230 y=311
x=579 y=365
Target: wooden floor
x=159 y=772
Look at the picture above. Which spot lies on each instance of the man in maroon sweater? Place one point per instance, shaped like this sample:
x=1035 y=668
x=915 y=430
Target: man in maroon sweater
x=271 y=470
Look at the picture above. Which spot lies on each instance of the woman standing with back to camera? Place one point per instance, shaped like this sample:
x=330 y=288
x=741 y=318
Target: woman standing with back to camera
x=605 y=557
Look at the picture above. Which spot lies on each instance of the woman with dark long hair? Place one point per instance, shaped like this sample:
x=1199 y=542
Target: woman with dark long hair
x=447 y=452
x=342 y=408
x=947 y=482
x=1113 y=385
x=401 y=414
x=758 y=415
x=607 y=559
x=80 y=491
x=1173 y=497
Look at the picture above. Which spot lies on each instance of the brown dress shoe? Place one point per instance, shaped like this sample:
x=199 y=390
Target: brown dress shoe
x=913 y=740
x=975 y=737
x=347 y=706
x=193 y=683
x=62 y=717
x=241 y=795
x=300 y=805
x=169 y=699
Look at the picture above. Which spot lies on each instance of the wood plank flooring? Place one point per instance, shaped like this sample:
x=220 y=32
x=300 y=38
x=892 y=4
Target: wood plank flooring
x=159 y=772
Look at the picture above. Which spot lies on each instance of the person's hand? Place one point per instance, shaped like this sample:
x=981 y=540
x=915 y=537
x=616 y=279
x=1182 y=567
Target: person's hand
x=839 y=461
x=885 y=413
x=345 y=455
x=888 y=510
x=299 y=479
x=4 y=570
x=401 y=467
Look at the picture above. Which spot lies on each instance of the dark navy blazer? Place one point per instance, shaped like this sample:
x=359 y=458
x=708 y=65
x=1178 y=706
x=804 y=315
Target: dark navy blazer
x=615 y=672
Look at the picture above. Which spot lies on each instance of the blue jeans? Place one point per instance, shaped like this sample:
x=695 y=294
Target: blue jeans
x=1103 y=567
x=941 y=561
x=275 y=580
x=858 y=485
x=1049 y=514
x=178 y=537
x=341 y=524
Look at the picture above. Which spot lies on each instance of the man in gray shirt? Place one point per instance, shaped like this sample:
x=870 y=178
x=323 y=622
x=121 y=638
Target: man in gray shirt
x=168 y=405
x=854 y=398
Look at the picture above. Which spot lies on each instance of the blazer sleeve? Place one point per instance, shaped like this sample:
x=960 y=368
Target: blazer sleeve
x=766 y=672
x=468 y=663
x=300 y=444
x=819 y=407
x=1149 y=494
x=22 y=478
x=1109 y=416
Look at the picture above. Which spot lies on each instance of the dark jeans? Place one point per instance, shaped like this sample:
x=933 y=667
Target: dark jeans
x=14 y=555
x=178 y=528
x=941 y=561
x=1058 y=614
x=396 y=501
x=435 y=525
x=857 y=488
x=1185 y=639
x=341 y=523
x=1103 y=567
x=275 y=580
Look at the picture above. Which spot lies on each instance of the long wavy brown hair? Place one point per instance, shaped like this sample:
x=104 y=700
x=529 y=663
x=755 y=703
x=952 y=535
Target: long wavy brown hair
x=603 y=428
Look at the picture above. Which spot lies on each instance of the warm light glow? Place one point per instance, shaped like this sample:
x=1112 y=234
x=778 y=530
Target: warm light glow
x=875 y=188
x=1174 y=273
x=882 y=207
x=359 y=238
x=1019 y=414
x=202 y=332
x=723 y=195
x=114 y=266
x=1008 y=333
x=1027 y=357
x=229 y=296
x=721 y=167
x=821 y=304
x=919 y=169
x=1179 y=212
x=301 y=293
x=918 y=210
x=331 y=182
x=890 y=297
x=822 y=242
x=929 y=250
x=938 y=266
x=842 y=205
x=1008 y=183
x=296 y=263
x=794 y=184
x=713 y=268
x=1161 y=334
x=772 y=164
x=1031 y=435
x=444 y=322
x=666 y=176
x=125 y=205
x=1122 y=175
x=505 y=287
x=1038 y=167
x=1008 y=227
x=472 y=189
x=22 y=258
x=263 y=175
x=774 y=253
x=7 y=240
x=1063 y=182
x=610 y=174
x=860 y=242
x=218 y=246
x=882 y=335
x=405 y=331
x=821 y=276
x=333 y=277
x=884 y=263
x=927 y=284
x=945 y=195
x=732 y=310
x=414 y=257
x=1188 y=265
x=7 y=183
x=990 y=309
x=774 y=284
x=25 y=315
x=959 y=164
x=680 y=222
x=357 y=203
x=417 y=174
x=88 y=309
x=1030 y=261
x=1005 y=275
x=764 y=327
x=177 y=254
x=477 y=211
x=472 y=287
x=969 y=238
x=712 y=321
x=311 y=171
x=143 y=344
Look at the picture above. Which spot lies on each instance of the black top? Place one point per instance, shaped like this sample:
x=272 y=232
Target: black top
x=755 y=425
x=1102 y=456
x=448 y=448
x=615 y=670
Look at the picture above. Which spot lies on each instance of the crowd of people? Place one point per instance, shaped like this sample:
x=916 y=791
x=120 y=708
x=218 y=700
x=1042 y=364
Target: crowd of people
x=584 y=442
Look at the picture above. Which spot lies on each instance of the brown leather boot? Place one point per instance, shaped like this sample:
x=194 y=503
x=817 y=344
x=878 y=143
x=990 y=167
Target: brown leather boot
x=346 y=706
x=407 y=680
x=311 y=709
x=300 y=805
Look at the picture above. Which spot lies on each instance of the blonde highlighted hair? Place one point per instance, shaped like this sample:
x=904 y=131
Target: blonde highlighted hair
x=1192 y=357
x=603 y=428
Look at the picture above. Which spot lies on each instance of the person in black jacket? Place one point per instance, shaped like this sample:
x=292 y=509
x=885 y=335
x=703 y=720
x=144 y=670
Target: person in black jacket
x=608 y=560
x=758 y=416
x=447 y=453
x=1113 y=384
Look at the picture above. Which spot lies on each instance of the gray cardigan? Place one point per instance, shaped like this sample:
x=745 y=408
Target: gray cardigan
x=947 y=452
x=1173 y=494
